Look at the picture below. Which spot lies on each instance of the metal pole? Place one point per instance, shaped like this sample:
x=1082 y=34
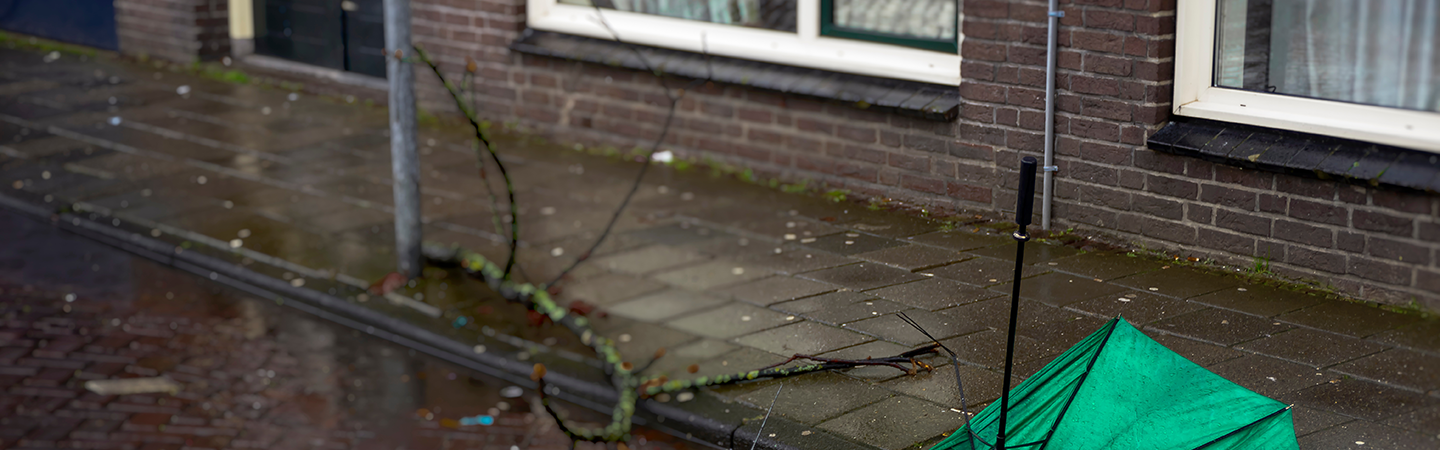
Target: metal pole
x=1050 y=168
x=403 y=158
x=1024 y=208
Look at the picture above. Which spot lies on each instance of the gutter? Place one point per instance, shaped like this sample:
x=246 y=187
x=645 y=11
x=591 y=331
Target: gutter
x=1049 y=168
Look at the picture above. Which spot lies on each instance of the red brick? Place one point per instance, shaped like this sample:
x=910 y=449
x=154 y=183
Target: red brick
x=976 y=194
x=1100 y=41
x=1110 y=20
x=983 y=51
x=1384 y=223
x=1304 y=233
x=923 y=184
x=856 y=133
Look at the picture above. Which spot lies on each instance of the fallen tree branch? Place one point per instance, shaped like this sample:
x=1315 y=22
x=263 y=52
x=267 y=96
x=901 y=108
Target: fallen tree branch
x=627 y=382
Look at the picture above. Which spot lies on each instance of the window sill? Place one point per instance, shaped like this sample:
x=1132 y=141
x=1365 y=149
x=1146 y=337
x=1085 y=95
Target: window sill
x=929 y=101
x=1299 y=153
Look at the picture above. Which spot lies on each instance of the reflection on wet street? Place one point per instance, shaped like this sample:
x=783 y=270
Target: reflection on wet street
x=77 y=316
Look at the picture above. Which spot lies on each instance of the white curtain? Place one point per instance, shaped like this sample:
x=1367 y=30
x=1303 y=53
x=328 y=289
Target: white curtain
x=1376 y=52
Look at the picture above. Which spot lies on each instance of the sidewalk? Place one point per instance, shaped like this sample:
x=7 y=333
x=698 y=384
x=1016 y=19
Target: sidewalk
x=725 y=275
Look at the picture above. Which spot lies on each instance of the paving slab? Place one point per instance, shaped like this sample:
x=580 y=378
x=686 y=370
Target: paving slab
x=1422 y=419
x=995 y=314
x=1220 y=326
x=1398 y=367
x=874 y=349
x=1360 y=399
x=730 y=320
x=776 y=289
x=1259 y=300
x=1179 y=282
x=1103 y=265
x=914 y=257
x=892 y=328
x=1309 y=420
x=793 y=260
x=895 y=423
x=1315 y=348
x=815 y=398
x=665 y=304
x=1066 y=332
x=938 y=386
x=984 y=271
x=849 y=243
x=1059 y=289
x=987 y=348
x=1423 y=336
x=1268 y=376
x=1035 y=252
x=1348 y=318
x=821 y=303
x=1361 y=434
x=1137 y=307
x=862 y=276
x=649 y=259
x=960 y=240
x=710 y=275
x=933 y=293
x=609 y=289
x=805 y=338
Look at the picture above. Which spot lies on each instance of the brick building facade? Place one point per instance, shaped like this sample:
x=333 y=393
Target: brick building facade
x=1115 y=85
x=176 y=30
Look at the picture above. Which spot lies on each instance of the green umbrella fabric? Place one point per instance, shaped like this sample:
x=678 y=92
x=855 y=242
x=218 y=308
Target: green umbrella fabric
x=1119 y=389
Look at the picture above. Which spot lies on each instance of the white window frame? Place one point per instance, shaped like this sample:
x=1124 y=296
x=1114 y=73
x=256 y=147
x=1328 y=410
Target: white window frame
x=1196 y=96
x=805 y=48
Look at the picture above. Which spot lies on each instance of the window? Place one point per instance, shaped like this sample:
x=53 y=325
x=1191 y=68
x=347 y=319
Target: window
x=1366 y=70
x=902 y=39
x=927 y=24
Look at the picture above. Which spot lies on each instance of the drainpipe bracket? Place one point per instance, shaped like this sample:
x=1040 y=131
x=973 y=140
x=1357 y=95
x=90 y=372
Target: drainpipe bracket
x=1057 y=13
x=1051 y=168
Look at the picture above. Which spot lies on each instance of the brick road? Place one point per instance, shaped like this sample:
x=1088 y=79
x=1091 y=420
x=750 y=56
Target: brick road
x=255 y=375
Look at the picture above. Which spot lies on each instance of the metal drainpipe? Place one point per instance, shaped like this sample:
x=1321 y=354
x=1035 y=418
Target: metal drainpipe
x=405 y=164
x=1050 y=168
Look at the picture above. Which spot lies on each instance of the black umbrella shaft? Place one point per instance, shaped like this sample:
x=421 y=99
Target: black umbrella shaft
x=1023 y=209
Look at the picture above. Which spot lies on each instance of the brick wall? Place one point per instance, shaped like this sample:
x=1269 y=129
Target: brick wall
x=176 y=30
x=1114 y=85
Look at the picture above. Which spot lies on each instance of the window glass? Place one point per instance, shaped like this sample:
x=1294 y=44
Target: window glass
x=1374 y=52
x=778 y=15
x=925 y=19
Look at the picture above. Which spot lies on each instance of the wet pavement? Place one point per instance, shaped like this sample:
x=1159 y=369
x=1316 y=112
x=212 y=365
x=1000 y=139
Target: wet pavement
x=727 y=276
x=253 y=374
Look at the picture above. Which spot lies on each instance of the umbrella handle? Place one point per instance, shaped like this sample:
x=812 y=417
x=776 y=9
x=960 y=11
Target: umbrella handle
x=1024 y=208
x=1025 y=204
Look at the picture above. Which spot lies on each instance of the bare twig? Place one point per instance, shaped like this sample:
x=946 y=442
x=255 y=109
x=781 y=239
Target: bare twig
x=674 y=96
x=767 y=417
x=489 y=148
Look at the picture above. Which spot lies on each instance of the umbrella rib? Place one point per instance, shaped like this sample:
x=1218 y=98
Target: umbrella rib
x=1081 y=384
x=1237 y=430
x=954 y=362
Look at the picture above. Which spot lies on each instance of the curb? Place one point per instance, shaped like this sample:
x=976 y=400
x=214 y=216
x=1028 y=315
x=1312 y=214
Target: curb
x=698 y=428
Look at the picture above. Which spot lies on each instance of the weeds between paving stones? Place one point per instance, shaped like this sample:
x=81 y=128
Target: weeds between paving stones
x=628 y=382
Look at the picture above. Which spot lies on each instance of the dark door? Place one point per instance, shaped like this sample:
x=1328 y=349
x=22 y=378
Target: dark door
x=338 y=34
x=365 y=36
x=86 y=22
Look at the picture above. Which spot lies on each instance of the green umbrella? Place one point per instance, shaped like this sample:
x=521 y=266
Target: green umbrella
x=1119 y=389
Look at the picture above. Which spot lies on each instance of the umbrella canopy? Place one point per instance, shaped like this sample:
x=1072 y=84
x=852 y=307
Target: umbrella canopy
x=1119 y=389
